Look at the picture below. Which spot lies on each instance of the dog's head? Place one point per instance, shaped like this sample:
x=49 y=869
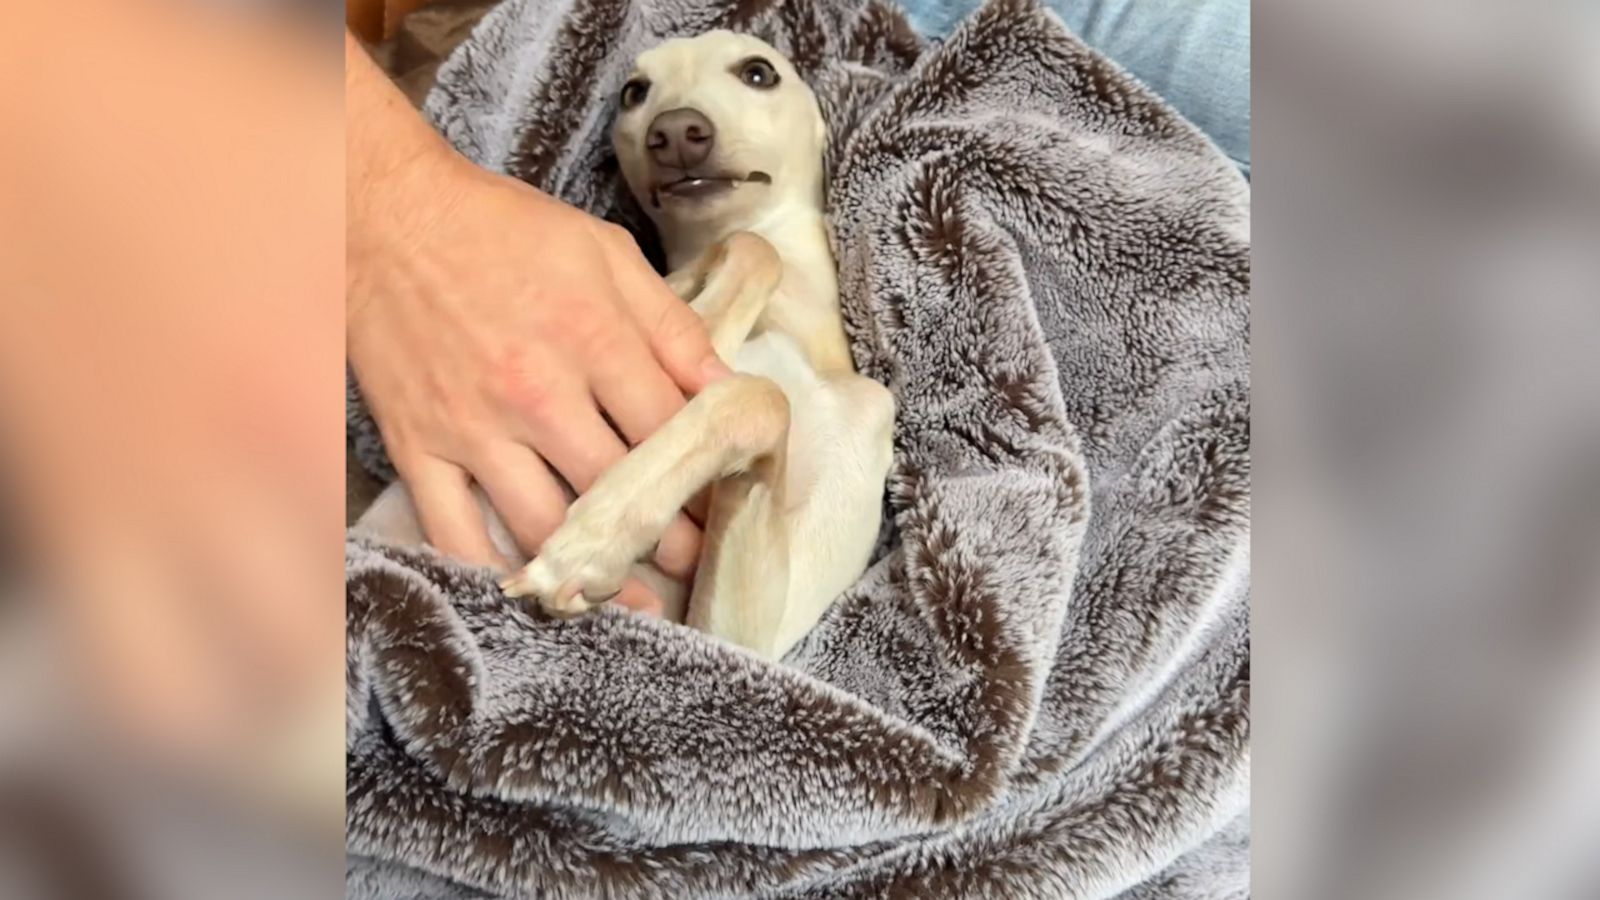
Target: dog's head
x=715 y=130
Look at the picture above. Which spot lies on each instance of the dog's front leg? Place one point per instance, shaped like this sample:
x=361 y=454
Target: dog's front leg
x=728 y=428
x=687 y=282
x=745 y=272
x=733 y=426
x=741 y=587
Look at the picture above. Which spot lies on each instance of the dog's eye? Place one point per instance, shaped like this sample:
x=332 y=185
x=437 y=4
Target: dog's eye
x=634 y=92
x=758 y=73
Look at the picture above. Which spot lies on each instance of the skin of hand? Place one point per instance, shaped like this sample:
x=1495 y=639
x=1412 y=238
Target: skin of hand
x=498 y=335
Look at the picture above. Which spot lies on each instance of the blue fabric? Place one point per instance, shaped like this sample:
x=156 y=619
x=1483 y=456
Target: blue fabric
x=1194 y=53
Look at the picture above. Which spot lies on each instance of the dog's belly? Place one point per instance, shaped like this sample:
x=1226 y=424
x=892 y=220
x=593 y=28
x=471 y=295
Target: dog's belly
x=839 y=452
x=812 y=420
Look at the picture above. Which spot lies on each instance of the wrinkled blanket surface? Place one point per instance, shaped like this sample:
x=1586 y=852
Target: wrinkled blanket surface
x=1040 y=688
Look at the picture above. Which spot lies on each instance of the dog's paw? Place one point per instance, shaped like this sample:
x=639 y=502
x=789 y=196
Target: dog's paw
x=578 y=568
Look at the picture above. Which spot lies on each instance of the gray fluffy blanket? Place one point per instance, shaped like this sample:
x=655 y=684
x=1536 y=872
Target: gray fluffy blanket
x=1040 y=688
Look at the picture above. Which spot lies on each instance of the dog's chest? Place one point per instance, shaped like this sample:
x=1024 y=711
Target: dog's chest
x=778 y=356
x=813 y=419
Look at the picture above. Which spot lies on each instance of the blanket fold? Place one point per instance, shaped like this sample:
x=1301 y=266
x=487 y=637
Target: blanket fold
x=1041 y=685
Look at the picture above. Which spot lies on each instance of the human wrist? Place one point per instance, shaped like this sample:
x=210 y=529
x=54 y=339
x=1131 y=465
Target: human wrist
x=402 y=177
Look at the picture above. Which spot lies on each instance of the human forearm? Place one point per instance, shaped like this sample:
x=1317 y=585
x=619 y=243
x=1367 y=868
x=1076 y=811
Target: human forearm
x=384 y=135
x=401 y=176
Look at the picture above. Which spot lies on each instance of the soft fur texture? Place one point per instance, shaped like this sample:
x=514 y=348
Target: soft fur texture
x=1040 y=688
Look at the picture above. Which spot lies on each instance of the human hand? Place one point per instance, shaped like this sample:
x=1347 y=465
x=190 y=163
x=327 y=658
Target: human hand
x=494 y=331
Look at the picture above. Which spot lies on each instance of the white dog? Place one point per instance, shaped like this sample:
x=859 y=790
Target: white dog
x=722 y=143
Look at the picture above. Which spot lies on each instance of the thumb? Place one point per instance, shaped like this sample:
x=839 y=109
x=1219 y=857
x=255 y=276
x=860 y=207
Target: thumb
x=677 y=336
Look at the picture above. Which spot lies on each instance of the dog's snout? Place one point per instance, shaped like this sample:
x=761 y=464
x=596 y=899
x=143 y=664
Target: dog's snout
x=680 y=138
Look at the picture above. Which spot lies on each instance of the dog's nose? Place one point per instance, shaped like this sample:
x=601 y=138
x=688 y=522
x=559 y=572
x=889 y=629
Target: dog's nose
x=680 y=138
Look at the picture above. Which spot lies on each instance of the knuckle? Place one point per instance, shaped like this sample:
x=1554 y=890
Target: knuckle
x=409 y=462
x=524 y=385
x=609 y=343
x=615 y=236
x=459 y=414
x=681 y=328
x=592 y=321
x=534 y=400
x=479 y=451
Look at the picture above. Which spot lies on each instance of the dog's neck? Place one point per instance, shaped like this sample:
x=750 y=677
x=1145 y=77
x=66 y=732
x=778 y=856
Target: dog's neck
x=786 y=224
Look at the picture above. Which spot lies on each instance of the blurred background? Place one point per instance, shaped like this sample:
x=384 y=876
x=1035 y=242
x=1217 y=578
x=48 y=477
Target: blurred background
x=171 y=356
x=1427 y=510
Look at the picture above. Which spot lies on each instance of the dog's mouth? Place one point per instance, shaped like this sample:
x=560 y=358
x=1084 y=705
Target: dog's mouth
x=696 y=187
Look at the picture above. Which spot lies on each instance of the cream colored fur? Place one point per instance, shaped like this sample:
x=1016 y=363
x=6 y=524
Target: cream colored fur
x=797 y=445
